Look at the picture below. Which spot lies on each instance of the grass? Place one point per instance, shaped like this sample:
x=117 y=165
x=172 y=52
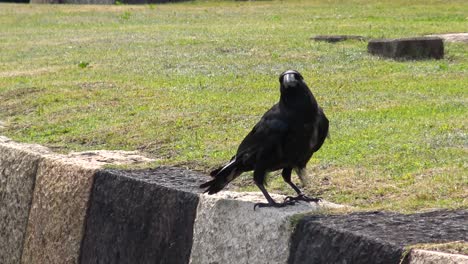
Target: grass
x=184 y=83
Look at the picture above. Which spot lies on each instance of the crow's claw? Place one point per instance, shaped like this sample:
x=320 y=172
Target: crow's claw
x=276 y=205
x=302 y=197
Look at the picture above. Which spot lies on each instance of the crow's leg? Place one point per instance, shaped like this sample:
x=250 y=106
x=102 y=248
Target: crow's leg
x=300 y=195
x=286 y=173
x=259 y=177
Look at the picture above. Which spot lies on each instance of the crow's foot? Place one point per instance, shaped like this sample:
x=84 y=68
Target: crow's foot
x=276 y=205
x=302 y=197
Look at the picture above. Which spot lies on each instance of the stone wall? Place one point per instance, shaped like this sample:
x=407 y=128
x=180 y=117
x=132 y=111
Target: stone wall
x=67 y=209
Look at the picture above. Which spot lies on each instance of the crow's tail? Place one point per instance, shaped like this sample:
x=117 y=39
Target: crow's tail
x=222 y=176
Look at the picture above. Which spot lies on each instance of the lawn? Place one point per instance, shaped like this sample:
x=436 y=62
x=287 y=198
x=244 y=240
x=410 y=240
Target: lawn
x=184 y=83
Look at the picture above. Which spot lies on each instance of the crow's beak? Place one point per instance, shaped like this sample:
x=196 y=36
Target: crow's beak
x=289 y=80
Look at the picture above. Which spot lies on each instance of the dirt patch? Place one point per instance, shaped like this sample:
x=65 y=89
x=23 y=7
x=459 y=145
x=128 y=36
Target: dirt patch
x=30 y=72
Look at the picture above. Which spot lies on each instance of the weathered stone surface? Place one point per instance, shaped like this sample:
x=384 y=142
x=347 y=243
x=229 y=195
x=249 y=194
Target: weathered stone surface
x=372 y=237
x=228 y=230
x=58 y=212
x=30 y=148
x=336 y=38
x=143 y=216
x=18 y=168
x=100 y=158
x=60 y=202
x=453 y=37
x=408 y=48
x=419 y=256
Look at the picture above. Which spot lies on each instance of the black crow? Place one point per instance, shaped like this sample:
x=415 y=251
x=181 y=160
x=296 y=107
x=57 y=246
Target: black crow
x=285 y=138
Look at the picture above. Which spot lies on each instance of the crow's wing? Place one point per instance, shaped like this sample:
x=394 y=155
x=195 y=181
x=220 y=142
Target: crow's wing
x=266 y=134
x=322 y=130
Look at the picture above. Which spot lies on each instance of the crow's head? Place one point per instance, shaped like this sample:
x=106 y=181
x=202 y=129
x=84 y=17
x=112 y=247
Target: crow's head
x=294 y=90
x=291 y=79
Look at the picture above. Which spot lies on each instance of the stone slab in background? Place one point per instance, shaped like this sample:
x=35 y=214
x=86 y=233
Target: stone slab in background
x=336 y=38
x=372 y=237
x=133 y=2
x=452 y=37
x=408 y=48
x=18 y=167
x=143 y=216
x=228 y=230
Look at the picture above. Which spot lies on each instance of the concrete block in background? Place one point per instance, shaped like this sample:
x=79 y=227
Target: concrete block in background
x=143 y=216
x=337 y=38
x=408 y=48
x=18 y=166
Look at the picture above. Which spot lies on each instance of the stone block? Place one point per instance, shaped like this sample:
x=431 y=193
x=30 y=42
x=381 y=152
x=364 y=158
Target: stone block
x=133 y=2
x=60 y=202
x=143 y=216
x=57 y=216
x=408 y=48
x=18 y=168
x=228 y=230
x=371 y=237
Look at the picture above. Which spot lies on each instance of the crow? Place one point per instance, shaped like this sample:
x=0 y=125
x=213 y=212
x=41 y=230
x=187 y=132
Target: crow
x=285 y=138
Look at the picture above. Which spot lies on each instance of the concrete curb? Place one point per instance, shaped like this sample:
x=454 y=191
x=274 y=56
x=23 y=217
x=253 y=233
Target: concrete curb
x=67 y=209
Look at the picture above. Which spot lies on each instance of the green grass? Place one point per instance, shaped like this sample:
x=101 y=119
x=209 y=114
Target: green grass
x=184 y=83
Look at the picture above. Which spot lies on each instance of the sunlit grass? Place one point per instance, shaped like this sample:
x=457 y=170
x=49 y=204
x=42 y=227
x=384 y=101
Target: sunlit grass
x=184 y=83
